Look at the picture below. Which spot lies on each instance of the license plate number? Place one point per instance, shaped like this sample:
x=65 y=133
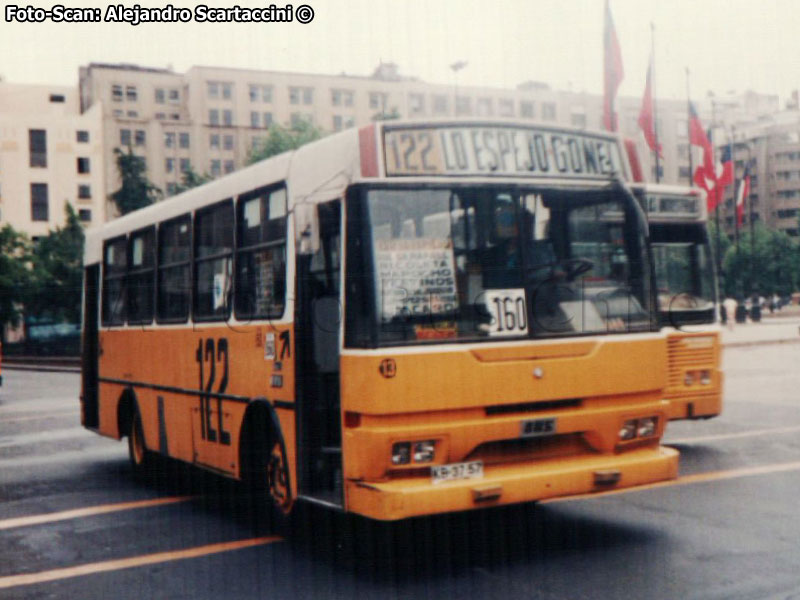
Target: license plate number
x=467 y=470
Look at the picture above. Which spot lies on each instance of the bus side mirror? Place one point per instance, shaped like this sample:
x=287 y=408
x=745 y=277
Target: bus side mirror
x=306 y=228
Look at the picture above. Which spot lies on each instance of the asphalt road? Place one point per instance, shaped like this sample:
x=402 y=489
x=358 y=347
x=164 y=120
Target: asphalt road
x=727 y=528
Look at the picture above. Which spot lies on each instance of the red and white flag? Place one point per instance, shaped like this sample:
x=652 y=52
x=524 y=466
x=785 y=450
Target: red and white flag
x=612 y=71
x=647 y=113
x=741 y=197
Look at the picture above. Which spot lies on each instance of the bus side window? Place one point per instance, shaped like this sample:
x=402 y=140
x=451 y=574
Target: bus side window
x=213 y=261
x=115 y=264
x=141 y=270
x=261 y=254
x=174 y=269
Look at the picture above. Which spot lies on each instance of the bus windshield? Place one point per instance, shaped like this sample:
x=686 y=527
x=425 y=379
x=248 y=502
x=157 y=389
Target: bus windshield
x=684 y=273
x=488 y=262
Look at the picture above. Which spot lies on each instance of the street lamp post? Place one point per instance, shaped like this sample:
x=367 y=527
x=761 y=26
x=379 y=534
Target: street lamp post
x=456 y=67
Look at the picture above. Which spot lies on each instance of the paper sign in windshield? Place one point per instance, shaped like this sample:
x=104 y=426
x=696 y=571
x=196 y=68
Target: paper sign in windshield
x=415 y=277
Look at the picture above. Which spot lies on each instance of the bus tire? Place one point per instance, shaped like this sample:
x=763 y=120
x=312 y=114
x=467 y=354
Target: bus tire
x=140 y=457
x=267 y=477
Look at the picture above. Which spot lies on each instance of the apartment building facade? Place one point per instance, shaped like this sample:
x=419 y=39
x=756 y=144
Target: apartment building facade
x=51 y=154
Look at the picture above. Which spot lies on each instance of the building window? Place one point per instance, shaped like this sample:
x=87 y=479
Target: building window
x=174 y=96
x=175 y=117
x=213 y=141
x=58 y=98
x=132 y=114
x=140 y=137
x=227 y=117
x=186 y=165
x=255 y=119
x=227 y=90
x=439 y=104
x=216 y=167
x=85 y=214
x=505 y=107
x=169 y=139
x=549 y=111
x=160 y=116
x=463 y=105
x=82 y=136
x=416 y=103
x=116 y=93
x=227 y=142
x=169 y=165
x=213 y=116
x=83 y=165
x=294 y=95
x=260 y=92
x=183 y=139
x=342 y=97
x=337 y=122
x=684 y=172
x=228 y=166
x=213 y=89
x=84 y=191
x=130 y=93
x=40 y=210
x=37 y=141
x=377 y=100
x=117 y=112
x=578 y=119
x=526 y=110
x=308 y=95
x=160 y=96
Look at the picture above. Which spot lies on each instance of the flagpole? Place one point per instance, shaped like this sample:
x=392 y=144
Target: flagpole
x=689 y=127
x=653 y=90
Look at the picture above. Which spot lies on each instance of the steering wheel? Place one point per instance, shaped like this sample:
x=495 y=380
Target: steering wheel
x=576 y=266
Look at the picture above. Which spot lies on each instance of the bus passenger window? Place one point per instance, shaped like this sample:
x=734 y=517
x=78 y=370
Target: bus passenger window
x=261 y=254
x=115 y=263
x=174 y=269
x=213 y=262
x=141 y=263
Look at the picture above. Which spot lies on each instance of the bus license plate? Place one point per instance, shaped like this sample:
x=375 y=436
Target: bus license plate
x=467 y=470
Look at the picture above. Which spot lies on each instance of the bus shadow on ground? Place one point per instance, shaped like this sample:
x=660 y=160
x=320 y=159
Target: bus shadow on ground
x=434 y=548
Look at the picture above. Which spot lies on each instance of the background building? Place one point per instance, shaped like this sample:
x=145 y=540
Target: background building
x=51 y=153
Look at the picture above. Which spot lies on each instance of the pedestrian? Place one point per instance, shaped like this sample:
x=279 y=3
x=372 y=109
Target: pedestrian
x=730 y=309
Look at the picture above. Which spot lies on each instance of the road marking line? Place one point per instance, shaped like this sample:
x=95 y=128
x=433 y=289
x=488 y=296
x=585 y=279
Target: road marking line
x=134 y=561
x=690 y=479
x=89 y=511
x=731 y=436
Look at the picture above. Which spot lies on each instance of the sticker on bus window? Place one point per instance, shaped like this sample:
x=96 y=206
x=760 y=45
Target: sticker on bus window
x=508 y=310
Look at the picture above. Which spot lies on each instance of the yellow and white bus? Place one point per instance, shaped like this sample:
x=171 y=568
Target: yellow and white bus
x=399 y=320
x=687 y=297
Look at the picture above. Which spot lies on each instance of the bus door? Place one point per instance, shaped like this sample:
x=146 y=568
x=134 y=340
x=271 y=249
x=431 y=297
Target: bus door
x=319 y=321
x=90 y=408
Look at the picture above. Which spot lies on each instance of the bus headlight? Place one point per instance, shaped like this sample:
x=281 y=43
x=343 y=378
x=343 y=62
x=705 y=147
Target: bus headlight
x=647 y=426
x=401 y=453
x=424 y=451
x=628 y=431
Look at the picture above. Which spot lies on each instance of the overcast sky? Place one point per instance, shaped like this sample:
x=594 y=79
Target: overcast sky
x=727 y=44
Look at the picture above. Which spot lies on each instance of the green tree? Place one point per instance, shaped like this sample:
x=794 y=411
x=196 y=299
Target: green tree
x=191 y=179
x=135 y=191
x=14 y=275
x=765 y=262
x=54 y=293
x=282 y=139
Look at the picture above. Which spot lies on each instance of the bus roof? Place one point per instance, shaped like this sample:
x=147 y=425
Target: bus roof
x=671 y=203
x=463 y=149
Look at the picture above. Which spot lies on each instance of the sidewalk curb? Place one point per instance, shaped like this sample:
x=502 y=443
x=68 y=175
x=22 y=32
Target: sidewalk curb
x=761 y=343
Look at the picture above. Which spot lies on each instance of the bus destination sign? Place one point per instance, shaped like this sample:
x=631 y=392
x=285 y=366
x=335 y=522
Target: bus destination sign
x=500 y=150
x=677 y=206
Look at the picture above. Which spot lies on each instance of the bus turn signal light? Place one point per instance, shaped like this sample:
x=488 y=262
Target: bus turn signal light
x=423 y=452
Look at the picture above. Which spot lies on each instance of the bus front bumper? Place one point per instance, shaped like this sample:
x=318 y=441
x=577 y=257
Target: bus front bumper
x=512 y=483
